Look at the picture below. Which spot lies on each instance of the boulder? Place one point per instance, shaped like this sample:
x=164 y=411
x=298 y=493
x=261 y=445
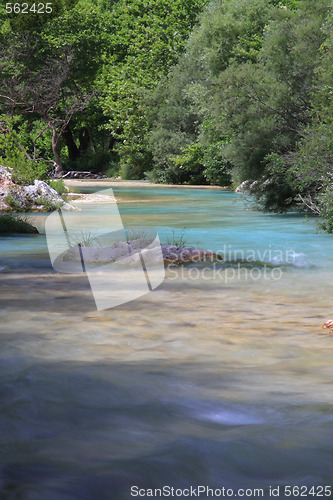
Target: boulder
x=39 y=196
x=244 y=187
x=41 y=192
x=40 y=189
x=247 y=187
x=5 y=187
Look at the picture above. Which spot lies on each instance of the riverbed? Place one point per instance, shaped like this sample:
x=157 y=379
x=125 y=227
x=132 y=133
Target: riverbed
x=222 y=376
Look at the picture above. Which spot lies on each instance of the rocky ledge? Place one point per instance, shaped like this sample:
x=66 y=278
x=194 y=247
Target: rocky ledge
x=37 y=197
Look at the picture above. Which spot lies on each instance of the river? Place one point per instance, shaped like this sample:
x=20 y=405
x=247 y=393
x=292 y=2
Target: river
x=221 y=377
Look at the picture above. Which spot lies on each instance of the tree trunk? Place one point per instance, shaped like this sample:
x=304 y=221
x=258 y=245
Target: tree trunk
x=91 y=138
x=113 y=140
x=84 y=139
x=59 y=171
x=73 y=150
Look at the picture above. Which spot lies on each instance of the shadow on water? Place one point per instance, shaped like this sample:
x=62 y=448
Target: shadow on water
x=82 y=431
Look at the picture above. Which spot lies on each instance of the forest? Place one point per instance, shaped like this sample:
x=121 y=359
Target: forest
x=174 y=91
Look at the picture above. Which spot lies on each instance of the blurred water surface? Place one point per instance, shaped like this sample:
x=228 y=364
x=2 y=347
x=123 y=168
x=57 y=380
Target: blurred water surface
x=220 y=380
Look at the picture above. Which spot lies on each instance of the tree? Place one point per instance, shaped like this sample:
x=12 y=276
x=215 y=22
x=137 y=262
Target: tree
x=148 y=37
x=229 y=36
x=266 y=105
x=308 y=169
x=250 y=89
x=48 y=72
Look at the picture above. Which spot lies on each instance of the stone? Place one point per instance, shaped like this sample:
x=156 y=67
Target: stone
x=181 y=255
x=247 y=186
x=41 y=190
x=244 y=187
x=5 y=172
x=39 y=196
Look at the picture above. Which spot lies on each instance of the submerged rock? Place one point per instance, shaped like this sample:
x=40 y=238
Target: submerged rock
x=328 y=324
x=181 y=255
x=130 y=253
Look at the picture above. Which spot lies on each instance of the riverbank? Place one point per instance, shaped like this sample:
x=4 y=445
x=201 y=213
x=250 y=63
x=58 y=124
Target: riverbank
x=41 y=197
x=78 y=189
x=114 y=183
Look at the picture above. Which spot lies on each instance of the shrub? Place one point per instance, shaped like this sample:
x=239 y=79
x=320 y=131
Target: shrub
x=13 y=155
x=59 y=186
x=48 y=204
x=135 y=163
x=13 y=223
x=25 y=172
x=217 y=167
x=177 y=240
x=324 y=205
x=12 y=202
x=190 y=165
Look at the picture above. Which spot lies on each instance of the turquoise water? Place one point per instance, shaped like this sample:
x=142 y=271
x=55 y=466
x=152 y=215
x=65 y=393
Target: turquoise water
x=220 y=220
x=213 y=219
x=221 y=380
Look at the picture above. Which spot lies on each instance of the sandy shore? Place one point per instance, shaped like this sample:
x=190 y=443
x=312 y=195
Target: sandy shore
x=111 y=183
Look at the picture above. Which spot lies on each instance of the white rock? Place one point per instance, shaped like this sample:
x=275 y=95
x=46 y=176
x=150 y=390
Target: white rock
x=5 y=172
x=32 y=196
x=69 y=208
x=42 y=190
x=244 y=187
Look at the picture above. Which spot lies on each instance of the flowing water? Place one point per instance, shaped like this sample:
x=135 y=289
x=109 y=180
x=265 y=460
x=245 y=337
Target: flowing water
x=221 y=377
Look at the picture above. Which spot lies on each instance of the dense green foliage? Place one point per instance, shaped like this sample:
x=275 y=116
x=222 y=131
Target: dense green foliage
x=214 y=95
x=48 y=72
x=74 y=79
x=148 y=37
x=14 y=155
x=251 y=98
x=180 y=91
